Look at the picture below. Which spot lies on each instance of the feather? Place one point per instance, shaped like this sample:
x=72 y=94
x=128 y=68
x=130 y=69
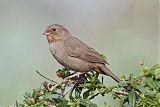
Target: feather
x=76 y=48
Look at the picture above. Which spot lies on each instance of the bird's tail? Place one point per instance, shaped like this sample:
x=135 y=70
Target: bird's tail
x=108 y=72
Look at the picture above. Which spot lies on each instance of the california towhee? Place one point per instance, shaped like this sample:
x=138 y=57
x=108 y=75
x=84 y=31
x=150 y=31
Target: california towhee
x=73 y=54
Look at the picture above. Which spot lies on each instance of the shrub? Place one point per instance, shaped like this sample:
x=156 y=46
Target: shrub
x=132 y=91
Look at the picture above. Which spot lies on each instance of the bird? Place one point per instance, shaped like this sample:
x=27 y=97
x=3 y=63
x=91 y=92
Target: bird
x=75 y=55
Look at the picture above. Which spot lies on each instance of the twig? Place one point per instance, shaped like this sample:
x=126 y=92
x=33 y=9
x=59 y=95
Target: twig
x=45 y=77
x=102 y=79
x=92 y=97
x=69 y=91
x=120 y=92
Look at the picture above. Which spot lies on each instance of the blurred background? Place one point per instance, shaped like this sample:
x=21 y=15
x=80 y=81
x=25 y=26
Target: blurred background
x=125 y=31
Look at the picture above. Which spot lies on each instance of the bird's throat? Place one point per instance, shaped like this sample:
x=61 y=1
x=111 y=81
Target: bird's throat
x=54 y=38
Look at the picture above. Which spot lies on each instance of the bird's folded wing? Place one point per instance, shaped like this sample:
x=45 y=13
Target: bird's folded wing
x=76 y=48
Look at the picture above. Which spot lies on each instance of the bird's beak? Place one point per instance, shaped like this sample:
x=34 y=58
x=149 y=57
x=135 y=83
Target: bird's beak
x=46 y=33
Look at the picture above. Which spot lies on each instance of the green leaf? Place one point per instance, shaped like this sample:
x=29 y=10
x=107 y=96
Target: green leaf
x=77 y=93
x=102 y=91
x=157 y=82
x=48 y=95
x=61 y=102
x=39 y=104
x=106 y=105
x=141 y=88
x=122 y=84
x=89 y=76
x=151 y=83
x=92 y=105
x=86 y=94
x=26 y=95
x=35 y=93
x=100 y=85
x=145 y=90
x=70 y=94
x=145 y=70
x=84 y=102
x=156 y=67
x=88 y=85
x=132 y=98
x=94 y=79
x=156 y=70
x=17 y=105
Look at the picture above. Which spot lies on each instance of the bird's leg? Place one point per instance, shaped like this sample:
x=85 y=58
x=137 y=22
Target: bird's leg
x=71 y=76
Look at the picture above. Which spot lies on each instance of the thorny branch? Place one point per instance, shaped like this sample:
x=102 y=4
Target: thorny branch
x=45 y=77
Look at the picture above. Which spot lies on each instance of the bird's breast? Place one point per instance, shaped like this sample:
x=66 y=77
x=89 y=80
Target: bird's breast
x=57 y=51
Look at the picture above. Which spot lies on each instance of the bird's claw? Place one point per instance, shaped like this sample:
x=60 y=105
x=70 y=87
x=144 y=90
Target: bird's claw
x=68 y=81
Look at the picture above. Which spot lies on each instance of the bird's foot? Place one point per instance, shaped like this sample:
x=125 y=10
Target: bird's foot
x=68 y=79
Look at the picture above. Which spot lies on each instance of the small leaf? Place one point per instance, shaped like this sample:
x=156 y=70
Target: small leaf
x=88 y=85
x=61 y=102
x=106 y=105
x=156 y=71
x=151 y=83
x=89 y=76
x=100 y=85
x=48 y=95
x=102 y=91
x=17 y=105
x=35 y=93
x=94 y=79
x=39 y=104
x=141 y=88
x=132 y=98
x=92 y=105
x=157 y=82
x=84 y=102
x=77 y=93
x=27 y=94
x=146 y=90
x=146 y=69
x=70 y=94
x=86 y=94
x=122 y=84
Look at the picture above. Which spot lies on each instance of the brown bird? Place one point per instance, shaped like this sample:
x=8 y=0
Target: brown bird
x=73 y=54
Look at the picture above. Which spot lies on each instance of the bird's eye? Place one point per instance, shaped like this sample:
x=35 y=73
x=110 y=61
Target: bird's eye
x=54 y=29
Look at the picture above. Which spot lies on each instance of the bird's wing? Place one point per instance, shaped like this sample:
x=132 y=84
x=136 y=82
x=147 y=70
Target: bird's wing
x=76 y=48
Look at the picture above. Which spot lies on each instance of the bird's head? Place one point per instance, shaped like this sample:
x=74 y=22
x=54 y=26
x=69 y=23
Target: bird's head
x=56 y=32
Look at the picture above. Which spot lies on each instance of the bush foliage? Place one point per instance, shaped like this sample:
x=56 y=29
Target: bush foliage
x=132 y=91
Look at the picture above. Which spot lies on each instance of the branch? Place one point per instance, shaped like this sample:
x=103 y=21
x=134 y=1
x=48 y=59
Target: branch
x=120 y=92
x=45 y=77
x=92 y=97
